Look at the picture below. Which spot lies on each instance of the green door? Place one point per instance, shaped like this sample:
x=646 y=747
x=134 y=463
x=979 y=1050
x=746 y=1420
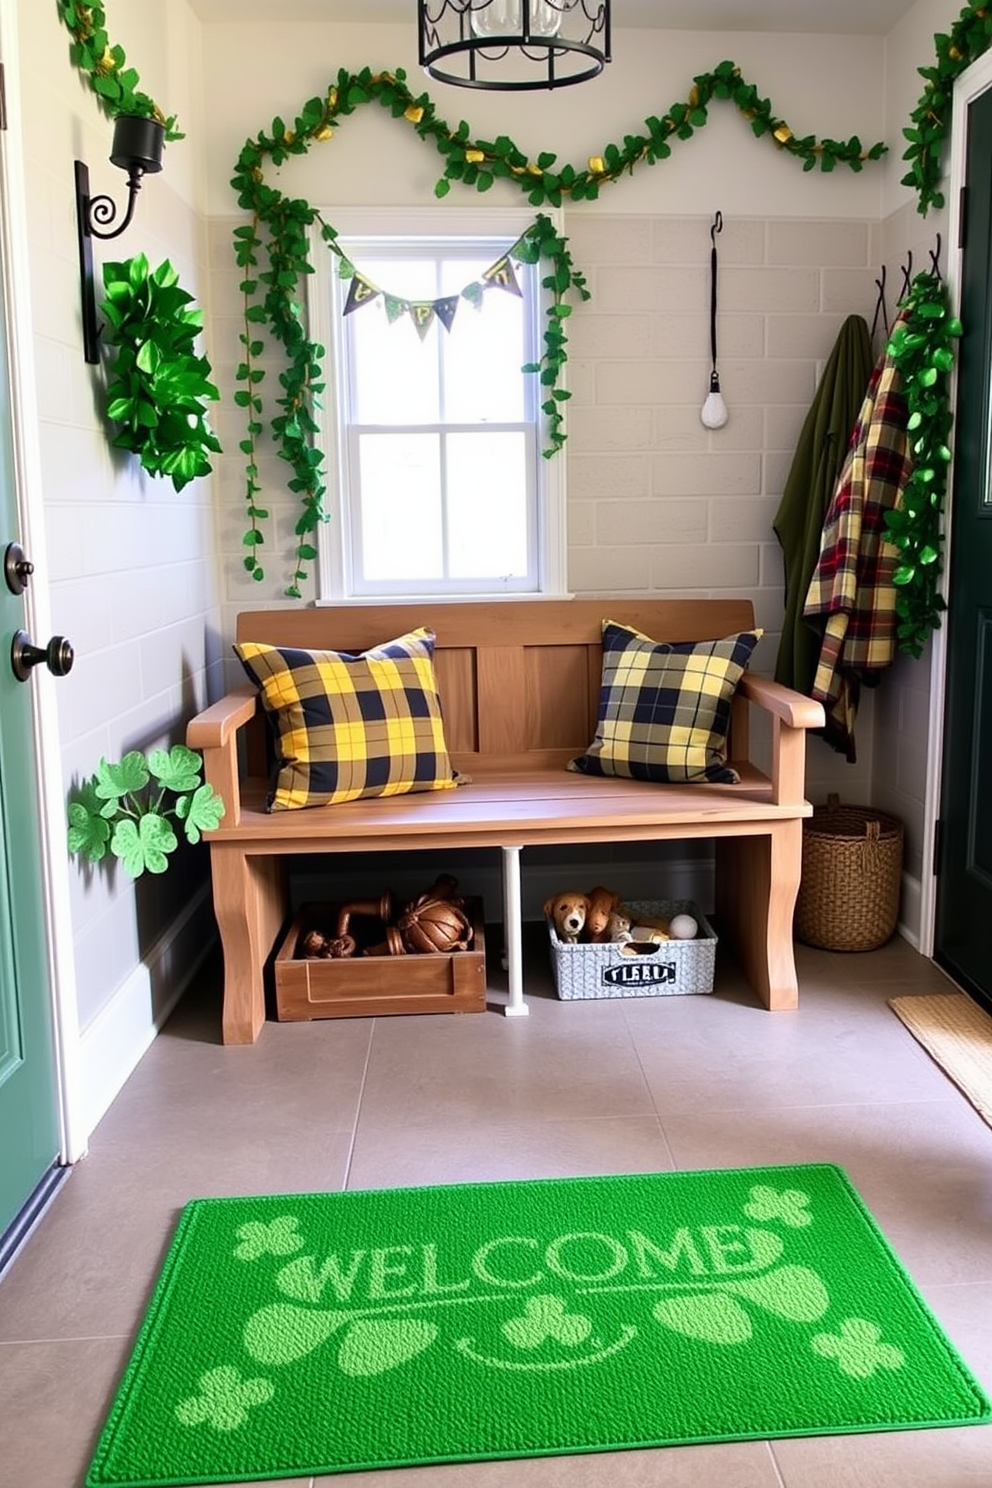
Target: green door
x=964 y=888
x=29 y=1128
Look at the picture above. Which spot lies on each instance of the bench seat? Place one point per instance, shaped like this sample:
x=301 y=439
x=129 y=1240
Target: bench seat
x=516 y=680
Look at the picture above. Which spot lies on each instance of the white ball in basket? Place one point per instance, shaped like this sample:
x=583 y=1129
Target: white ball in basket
x=683 y=927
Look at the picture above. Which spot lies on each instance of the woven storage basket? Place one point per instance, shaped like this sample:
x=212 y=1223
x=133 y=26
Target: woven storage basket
x=606 y=969
x=852 y=872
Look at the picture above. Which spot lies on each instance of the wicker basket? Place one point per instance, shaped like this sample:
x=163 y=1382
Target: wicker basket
x=852 y=873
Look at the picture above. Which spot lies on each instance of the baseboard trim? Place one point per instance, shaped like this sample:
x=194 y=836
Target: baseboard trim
x=911 y=911
x=113 y=1044
x=27 y=1220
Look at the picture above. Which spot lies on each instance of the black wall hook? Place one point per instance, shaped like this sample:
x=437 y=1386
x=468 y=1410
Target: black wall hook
x=935 y=261
x=881 y=309
x=907 y=275
x=717 y=227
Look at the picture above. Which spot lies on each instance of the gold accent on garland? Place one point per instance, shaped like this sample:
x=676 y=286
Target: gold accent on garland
x=105 y=66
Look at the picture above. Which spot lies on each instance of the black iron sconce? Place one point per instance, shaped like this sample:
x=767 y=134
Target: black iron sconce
x=513 y=45
x=137 y=149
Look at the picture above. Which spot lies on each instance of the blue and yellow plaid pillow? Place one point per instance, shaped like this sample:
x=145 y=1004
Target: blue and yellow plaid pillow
x=347 y=726
x=664 y=710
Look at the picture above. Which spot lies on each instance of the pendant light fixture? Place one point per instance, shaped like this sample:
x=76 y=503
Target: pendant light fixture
x=714 y=411
x=513 y=45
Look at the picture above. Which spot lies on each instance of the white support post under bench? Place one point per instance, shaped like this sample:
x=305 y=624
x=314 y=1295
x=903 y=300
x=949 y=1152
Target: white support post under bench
x=512 y=929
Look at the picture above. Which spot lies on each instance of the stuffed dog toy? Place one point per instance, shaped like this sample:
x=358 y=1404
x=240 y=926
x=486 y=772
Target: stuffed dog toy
x=618 y=926
x=602 y=903
x=568 y=913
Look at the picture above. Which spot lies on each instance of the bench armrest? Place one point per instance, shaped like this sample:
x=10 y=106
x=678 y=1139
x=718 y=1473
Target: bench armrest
x=791 y=714
x=794 y=708
x=214 y=732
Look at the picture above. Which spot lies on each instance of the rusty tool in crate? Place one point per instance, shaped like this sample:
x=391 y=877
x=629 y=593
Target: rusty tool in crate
x=316 y=945
x=436 y=922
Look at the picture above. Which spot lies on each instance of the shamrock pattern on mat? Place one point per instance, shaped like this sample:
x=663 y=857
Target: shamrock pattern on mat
x=544 y=1318
x=280 y=1237
x=789 y=1205
x=858 y=1349
x=225 y=1399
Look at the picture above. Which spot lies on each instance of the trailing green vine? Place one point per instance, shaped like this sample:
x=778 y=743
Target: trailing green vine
x=279 y=226
x=921 y=346
x=156 y=383
x=968 y=39
x=105 y=65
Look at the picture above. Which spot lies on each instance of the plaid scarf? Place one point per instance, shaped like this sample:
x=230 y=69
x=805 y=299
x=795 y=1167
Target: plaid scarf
x=851 y=597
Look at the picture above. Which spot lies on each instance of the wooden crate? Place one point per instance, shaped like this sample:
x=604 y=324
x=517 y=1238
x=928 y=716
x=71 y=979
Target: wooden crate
x=376 y=986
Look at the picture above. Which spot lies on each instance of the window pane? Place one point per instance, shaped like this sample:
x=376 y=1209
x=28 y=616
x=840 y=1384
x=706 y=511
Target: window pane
x=395 y=373
x=402 y=530
x=487 y=505
x=484 y=352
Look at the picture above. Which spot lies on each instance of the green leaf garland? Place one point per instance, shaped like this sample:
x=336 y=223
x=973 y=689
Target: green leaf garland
x=105 y=66
x=930 y=122
x=922 y=347
x=272 y=251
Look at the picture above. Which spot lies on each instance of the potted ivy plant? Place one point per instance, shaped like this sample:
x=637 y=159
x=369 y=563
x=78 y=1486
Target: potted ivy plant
x=127 y=809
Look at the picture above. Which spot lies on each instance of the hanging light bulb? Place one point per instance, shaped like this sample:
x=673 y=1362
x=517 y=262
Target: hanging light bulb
x=505 y=18
x=714 y=411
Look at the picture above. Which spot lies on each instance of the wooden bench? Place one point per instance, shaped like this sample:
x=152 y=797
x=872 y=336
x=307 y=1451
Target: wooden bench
x=519 y=683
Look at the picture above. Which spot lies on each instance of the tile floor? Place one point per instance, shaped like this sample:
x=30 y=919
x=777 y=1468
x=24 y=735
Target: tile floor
x=576 y=1088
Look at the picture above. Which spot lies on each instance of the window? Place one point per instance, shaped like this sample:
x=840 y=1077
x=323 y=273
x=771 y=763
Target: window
x=436 y=480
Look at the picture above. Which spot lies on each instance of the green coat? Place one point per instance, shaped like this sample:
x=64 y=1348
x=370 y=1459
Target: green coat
x=813 y=476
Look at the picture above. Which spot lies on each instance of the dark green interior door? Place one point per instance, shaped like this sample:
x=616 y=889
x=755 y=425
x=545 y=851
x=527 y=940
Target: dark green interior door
x=964 y=888
x=29 y=1137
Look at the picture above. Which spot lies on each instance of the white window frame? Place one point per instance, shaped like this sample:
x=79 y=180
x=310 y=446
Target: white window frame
x=325 y=326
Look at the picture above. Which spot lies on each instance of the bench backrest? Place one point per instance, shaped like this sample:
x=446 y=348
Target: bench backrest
x=519 y=679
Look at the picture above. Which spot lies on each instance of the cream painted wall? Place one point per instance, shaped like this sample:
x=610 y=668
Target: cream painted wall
x=131 y=563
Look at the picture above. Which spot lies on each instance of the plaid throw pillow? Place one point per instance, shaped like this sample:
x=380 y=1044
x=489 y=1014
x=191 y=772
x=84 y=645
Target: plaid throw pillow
x=348 y=726
x=664 y=710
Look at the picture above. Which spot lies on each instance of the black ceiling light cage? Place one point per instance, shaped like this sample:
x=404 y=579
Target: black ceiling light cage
x=514 y=45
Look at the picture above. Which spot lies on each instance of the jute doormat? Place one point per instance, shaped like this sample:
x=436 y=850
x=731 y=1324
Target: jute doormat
x=957 y=1034
x=313 y=1334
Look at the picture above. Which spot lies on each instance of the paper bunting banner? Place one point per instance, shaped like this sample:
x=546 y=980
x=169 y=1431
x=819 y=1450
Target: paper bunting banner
x=501 y=276
x=446 y=310
x=360 y=292
x=422 y=315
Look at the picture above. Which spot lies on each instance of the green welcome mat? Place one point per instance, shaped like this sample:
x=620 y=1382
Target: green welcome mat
x=324 y=1333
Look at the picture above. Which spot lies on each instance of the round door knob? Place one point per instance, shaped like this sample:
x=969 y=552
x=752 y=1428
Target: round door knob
x=17 y=570
x=58 y=656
